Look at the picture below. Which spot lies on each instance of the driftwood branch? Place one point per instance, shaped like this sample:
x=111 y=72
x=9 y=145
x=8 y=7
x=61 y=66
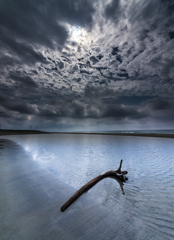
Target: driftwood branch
x=117 y=174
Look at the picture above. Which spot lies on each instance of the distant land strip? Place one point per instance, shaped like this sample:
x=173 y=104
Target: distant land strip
x=21 y=132
x=164 y=135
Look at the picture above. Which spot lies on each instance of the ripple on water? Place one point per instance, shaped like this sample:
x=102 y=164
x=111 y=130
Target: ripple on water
x=143 y=209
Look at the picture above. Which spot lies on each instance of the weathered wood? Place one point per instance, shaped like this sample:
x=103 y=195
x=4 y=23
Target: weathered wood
x=117 y=174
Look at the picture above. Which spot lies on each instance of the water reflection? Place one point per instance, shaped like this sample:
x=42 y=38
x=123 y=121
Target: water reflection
x=1 y=144
x=1 y=147
x=121 y=184
x=60 y=164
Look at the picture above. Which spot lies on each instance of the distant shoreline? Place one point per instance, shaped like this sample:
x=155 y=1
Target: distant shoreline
x=25 y=132
x=20 y=132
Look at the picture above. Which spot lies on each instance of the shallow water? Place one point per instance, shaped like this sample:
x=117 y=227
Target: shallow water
x=39 y=173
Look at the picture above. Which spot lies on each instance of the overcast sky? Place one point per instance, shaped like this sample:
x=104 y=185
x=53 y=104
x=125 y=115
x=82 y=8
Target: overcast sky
x=87 y=65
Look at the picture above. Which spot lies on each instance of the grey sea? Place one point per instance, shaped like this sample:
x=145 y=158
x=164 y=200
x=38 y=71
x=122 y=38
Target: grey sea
x=39 y=173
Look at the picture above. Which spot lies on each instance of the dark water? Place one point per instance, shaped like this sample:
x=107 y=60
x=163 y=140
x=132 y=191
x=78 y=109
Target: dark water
x=38 y=173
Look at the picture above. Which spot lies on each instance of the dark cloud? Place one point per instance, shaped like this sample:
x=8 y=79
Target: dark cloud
x=8 y=103
x=25 y=27
x=122 y=112
x=169 y=4
x=105 y=61
x=2 y=99
x=76 y=79
x=161 y=110
x=21 y=52
x=118 y=57
x=24 y=80
x=77 y=110
x=114 y=50
x=171 y=35
x=20 y=107
x=60 y=65
x=93 y=59
x=158 y=104
x=47 y=113
x=123 y=74
x=100 y=56
x=92 y=110
x=36 y=26
x=112 y=9
x=73 y=110
x=168 y=68
x=95 y=92
x=84 y=71
x=40 y=19
x=132 y=100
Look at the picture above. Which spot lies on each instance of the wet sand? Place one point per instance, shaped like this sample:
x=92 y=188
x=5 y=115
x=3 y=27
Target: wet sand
x=22 y=132
x=30 y=197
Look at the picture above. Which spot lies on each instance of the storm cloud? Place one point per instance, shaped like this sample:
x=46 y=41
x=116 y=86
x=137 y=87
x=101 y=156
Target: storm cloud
x=87 y=63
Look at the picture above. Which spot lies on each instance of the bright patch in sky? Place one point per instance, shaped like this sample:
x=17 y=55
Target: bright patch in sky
x=76 y=32
x=79 y=35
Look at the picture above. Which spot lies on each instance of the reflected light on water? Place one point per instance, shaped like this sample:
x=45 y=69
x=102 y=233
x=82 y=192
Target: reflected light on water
x=145 y=202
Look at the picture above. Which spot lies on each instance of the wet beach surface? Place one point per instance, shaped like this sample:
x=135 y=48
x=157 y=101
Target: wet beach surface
x=38 y=174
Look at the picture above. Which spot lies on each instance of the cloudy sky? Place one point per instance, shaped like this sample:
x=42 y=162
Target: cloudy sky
x=87 y=65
